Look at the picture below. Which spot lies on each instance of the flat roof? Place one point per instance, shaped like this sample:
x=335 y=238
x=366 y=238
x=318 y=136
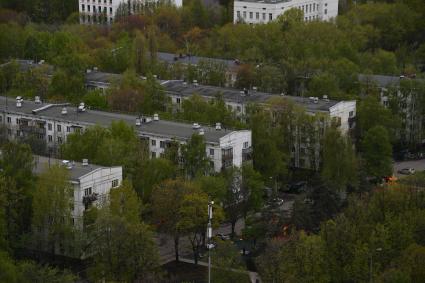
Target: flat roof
x=237 y=96
x=192 y=59
x=42 y=164
x=264 y=1
x=385 y=81
x=163 y=128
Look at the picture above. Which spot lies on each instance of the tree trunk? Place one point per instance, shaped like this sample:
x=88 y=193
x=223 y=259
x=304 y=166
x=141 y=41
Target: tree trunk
x=195 y=256
x=233 y=227
x=176 y=247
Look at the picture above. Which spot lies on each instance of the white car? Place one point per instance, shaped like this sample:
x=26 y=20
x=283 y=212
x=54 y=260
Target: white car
x=407 y=171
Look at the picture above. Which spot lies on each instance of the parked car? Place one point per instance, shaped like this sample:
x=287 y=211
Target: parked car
x=297 y=188
x=223 y=237
x=407 y=171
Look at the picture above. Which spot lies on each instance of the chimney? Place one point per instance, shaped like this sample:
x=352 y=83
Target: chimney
x=82 y=107
x=85 y=162
x=155 y=117
x=218 y=126
x=64 y=111
x=19 y=101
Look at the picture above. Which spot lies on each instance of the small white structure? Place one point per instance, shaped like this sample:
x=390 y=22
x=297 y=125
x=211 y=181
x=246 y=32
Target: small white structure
x=91 y=183
x=264 y=11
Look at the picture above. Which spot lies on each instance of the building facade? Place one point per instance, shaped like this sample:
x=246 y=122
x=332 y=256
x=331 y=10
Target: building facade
x=405 y=97
x=91 y=183
x=52 y=123
x=264 y=11
x=105 y=11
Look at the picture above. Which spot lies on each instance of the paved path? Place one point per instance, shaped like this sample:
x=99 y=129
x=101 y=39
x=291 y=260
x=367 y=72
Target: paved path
x=166 y=242
x=418 y=165
x=253 y=276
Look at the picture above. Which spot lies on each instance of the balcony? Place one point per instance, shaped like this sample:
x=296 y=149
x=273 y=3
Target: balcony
x=32 y=129
x=247 y=154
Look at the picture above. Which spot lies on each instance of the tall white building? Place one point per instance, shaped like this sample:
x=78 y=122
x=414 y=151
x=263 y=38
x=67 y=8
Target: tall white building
x=104 y=11
x=264 y=11
x=91 y=183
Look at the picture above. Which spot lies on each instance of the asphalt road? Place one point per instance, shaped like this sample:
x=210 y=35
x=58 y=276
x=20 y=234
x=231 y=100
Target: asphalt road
x=418 y=165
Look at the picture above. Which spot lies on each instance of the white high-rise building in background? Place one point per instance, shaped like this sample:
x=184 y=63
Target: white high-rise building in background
x=104 y=11
x=264 y=11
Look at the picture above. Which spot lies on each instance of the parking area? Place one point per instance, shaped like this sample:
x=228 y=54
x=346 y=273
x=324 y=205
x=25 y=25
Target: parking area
x=418 y=165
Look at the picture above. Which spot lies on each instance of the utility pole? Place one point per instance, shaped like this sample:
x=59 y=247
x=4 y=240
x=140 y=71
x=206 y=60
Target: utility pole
x=209 y=235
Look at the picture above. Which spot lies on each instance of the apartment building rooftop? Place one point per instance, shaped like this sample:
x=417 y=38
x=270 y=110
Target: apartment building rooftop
x=265 y=1
x=89 y=117
x=76 y=169
x=193 y=60
x=383 y=80
x=238 y=96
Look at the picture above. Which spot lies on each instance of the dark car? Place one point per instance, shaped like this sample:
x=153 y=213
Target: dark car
x=297 y=188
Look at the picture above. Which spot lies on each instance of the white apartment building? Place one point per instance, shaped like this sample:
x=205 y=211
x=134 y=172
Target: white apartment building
x=52 y=123
x=91 y=183
x=264 y=11
x=405 y=93
x=104 y=11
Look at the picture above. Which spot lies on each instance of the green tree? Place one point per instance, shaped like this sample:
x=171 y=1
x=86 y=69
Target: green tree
x=193 y=219
x=153 y=172
x=227 y=264
x=377 y=152
x=167 y=201
x=124 y=246
x=196 y=162
x=16 y=163
x=339 y=160
x=53 y=199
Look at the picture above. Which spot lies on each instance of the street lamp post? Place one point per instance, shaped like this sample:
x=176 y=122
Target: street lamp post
x=371 y=264
x=209 y=235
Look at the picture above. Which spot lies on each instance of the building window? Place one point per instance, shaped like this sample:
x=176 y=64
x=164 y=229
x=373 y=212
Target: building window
x=115 y=183
x=104 y=10
x=9 y=120
x=178 y=99
x=211 y=151
x=68 y=129
x=162 y=144
x=250 y=15
x=50 y=138
x=244 y=14
x=153 y=142
x=110 y=11
x=59 y=128
x=9 y=132
x=264 y=16
x=238 y=109
x=257 y=16
x=88 y=8
x=303 y=8
x=110 y=1
x=83 y=8
x=270 y=17
x=1 y=119
x=60 y=140
x=17 y=121
x=245 y=145
x=99 y=9
x=238 y=13
x=87 y=191
x=153 y=154
x=351 y=114
x=326 y=11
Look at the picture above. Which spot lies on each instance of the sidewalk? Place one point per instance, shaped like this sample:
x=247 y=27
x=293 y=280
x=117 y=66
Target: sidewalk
x=255 y=278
